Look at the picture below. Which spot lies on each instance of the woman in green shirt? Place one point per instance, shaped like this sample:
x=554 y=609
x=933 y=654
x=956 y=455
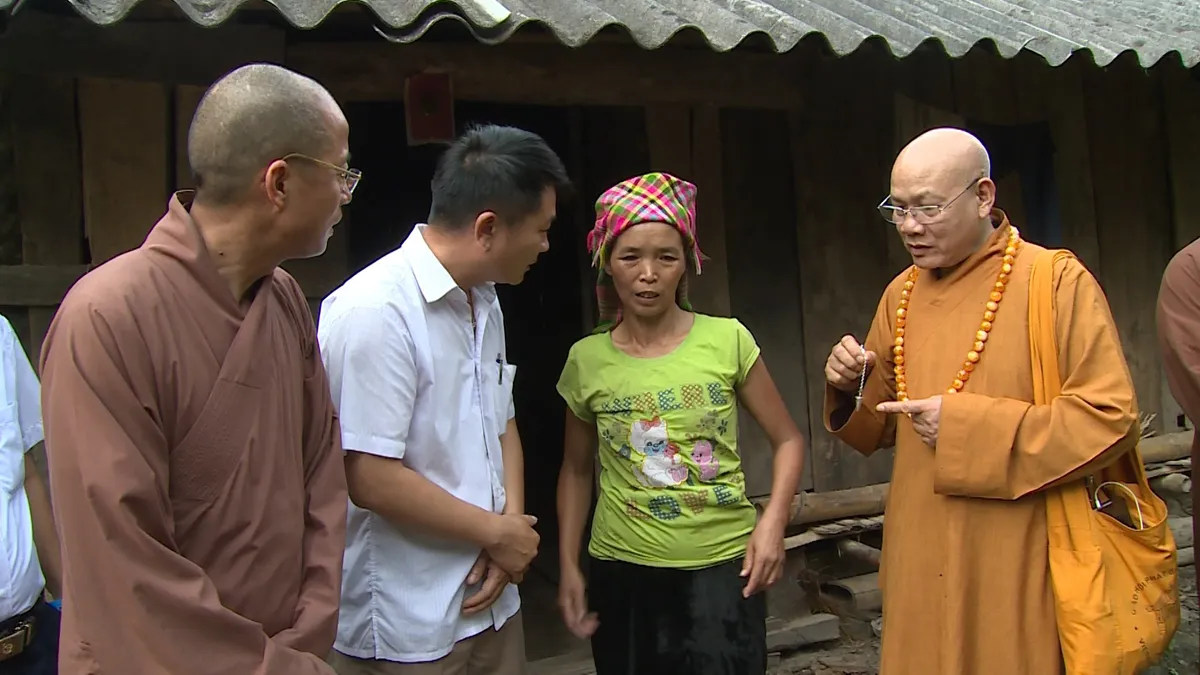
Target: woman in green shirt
x=677 y=557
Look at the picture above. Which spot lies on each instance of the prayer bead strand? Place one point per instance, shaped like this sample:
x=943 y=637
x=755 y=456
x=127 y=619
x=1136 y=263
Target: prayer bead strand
x=981 y=336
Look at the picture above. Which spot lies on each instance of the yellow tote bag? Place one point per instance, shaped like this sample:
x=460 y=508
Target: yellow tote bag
x=1113 y=568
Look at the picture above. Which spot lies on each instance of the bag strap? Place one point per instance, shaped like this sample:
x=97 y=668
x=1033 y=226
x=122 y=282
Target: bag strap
x=1043 y=349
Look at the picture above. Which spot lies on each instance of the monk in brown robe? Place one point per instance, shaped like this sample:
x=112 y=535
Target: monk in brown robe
x=965 y=561
x=194 y=452
x=1179 y=340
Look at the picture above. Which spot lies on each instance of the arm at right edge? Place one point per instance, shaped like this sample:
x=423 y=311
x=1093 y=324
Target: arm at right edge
x=574 y=488
x=109 y=464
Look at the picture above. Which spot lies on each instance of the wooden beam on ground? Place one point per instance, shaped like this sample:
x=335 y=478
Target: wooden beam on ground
x=174 y=52
x=45 y=285
x=815 y=507
x=554 y=74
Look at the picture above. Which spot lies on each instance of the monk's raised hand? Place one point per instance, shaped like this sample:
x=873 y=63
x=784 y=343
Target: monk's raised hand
x=925 y=414
x=845 y=364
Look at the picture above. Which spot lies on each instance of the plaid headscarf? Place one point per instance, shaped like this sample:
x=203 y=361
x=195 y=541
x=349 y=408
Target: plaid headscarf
x=653 y=197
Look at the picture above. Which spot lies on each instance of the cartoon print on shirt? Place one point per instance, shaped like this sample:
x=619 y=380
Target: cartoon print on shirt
x=662 y=465
x=711 y=424
x=615 y=436
x=706 y=463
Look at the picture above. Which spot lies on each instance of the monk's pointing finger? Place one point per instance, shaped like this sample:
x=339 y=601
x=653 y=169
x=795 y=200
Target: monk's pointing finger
x=889 y=407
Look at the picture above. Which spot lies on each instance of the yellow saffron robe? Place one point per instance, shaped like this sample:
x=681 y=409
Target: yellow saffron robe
x=965 y=575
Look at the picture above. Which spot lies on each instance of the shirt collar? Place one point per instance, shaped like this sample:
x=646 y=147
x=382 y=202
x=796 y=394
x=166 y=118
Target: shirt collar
x=433 y=279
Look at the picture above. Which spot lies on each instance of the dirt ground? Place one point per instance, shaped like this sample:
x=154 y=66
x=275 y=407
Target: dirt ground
x=858 y=651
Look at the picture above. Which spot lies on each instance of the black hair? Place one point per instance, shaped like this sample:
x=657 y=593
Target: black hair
x=494 y=168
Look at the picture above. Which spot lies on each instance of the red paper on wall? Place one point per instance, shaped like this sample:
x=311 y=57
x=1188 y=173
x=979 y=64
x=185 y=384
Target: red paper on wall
x=429 y=108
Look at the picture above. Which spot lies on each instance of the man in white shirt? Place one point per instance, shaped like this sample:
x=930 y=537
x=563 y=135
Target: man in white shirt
x=414 y=347
x=29 y=564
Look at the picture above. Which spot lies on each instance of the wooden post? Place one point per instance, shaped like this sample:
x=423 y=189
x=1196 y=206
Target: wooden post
x=49 y=182
x=125 y=133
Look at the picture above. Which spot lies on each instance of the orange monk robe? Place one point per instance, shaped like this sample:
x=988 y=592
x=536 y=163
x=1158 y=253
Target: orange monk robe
x=196 y=468
x=965 y=574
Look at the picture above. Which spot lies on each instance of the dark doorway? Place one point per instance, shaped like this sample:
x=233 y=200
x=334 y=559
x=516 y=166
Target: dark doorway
x=542 y=315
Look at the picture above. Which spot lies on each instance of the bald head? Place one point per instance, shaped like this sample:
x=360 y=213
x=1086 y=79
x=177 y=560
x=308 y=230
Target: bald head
x=944 y=178
x=251 y=117
x=945 y=153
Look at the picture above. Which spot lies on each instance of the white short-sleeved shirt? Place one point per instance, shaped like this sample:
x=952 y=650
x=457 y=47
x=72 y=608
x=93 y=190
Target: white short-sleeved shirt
x=411 y=382
x=21 y=579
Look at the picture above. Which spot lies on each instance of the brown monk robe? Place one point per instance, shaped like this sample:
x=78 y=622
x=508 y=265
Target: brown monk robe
x=1179 y=340
x=194 y=452
x=965 y=560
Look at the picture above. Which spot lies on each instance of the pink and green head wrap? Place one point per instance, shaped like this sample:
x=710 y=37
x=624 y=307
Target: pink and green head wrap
x=653 y=197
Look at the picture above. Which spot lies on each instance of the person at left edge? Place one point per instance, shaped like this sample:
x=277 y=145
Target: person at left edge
x=30 y=562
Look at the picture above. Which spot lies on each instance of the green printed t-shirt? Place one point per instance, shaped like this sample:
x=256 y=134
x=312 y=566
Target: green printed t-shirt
x=672 y=491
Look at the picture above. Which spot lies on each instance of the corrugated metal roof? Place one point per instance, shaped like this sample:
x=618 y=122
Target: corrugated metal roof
x=1052 y=28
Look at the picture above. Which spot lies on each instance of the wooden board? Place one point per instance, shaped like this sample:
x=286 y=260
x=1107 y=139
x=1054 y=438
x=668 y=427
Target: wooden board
x=709 y=291
x=842 y=153
x=764 y=274
x=1058 y=94
x=1129 y=171
x=1181 y=113
x=39 y=286
x=49 y=183
x=187 y=97
x=984 y=87
x=125 y=131
x=554 y=74
x=147 y=51
x=1181 y=101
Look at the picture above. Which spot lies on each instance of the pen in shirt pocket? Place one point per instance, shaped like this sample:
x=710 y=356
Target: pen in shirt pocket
x=499 y=369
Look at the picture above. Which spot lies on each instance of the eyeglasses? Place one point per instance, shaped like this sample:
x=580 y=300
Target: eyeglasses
x=922 y=214
x=350 y=177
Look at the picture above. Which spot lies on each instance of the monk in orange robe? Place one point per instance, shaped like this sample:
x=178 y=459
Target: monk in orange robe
x=194 y=450
x=965 y=571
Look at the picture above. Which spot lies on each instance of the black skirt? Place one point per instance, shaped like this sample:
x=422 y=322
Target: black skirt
x=659 y=621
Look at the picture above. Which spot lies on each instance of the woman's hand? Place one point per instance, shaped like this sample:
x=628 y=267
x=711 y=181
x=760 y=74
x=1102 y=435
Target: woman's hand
x=764 y=556
x=572 y=601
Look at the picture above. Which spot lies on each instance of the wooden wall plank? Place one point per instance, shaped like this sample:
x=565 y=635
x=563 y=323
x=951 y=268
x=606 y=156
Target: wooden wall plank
x=555 y=74
x=49 y=182
x=615 y=146
x=1181 y=98
x=984 y=87
x=1129 y=171
x=1181 y=102
x=842 y=153
x=187 y=97
x=147 y=51
x=669 y=135
x=709 y=292
x=125 y=130
x=10 y=222
x=1058 y=95
x=764 y=274
x=45 y=285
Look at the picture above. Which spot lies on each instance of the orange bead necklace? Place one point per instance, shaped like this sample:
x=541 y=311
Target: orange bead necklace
x=981 y=336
